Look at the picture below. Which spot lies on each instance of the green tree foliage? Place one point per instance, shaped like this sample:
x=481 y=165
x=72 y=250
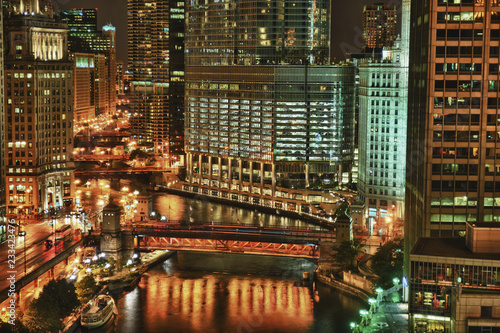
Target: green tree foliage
x=17 y=327
x=347 y=253
x=138 y=153
x=342 y=210
x=85 y=288
x=56 y=301
x=387 y=263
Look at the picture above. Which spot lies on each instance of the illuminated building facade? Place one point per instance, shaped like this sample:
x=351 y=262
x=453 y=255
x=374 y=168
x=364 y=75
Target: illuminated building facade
x=38 y=111
x=156 y=63
x=454 y=282
x=82 y=26
x=382 y=137
x=453 y=118
x=264 y=108
x=120 y=72
x=84 y=86
x=379 y=23
x=84 y=37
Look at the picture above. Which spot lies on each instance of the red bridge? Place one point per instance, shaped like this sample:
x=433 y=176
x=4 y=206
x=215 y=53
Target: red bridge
x=231 y=238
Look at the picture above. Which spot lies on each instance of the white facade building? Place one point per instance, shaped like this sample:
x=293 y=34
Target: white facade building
x=382 y=137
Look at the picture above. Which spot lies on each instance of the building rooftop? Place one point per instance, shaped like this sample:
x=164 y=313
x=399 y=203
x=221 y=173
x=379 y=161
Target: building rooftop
x=485 y=224
x=449 y=247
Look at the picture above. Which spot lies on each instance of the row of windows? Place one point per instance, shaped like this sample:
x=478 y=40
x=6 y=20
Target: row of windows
x=458 y=136
x=463 y=201
x=463 y=2
x=463 y=186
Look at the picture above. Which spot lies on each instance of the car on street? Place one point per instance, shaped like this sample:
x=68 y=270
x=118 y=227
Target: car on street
x=48 y=244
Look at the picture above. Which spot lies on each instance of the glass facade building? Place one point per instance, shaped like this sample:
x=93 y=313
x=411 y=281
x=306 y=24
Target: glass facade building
x=84 y=37
x=264 y=108
x=454 y=283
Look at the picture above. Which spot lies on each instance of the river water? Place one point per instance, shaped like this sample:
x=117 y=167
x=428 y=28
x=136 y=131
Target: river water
x=226 y=293
x=199 y=209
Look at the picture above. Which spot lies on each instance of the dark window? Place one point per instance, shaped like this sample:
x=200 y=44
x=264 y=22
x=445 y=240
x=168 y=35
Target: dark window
x=486 y=311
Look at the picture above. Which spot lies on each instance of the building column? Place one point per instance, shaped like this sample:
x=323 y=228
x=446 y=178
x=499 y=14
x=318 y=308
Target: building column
x=261 y=178
x=230 y=172
x=273 y=186
x=307 y=175
x=200 y=169
x=46 y=194
x=209 y=171
x=251 y=177
x=188 y=167
x=219 y=177
x=240 y=177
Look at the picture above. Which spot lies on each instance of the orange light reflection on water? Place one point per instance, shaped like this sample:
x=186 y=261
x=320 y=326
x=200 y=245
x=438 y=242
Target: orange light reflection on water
x=251 y=302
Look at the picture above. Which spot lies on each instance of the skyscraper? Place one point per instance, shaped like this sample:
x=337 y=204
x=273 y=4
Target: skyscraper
x=38 y=104
x=382 y=137
x=379 y=26
x=264 y=108
x=453 y=141
x=156 y=63
x=85 y=37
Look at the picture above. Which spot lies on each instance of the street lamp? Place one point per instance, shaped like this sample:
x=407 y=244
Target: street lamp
x=363 y=314
x=23 y=235
x=395 y=281
x=373 y=305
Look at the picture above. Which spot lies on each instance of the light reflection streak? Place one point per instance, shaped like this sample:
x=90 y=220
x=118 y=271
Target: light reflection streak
x=250 y=300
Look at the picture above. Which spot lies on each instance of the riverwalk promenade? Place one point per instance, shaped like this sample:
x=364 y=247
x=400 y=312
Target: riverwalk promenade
x=390 y=318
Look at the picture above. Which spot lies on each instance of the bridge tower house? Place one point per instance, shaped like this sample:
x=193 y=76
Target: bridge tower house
x=111 y=234
x=343 y=228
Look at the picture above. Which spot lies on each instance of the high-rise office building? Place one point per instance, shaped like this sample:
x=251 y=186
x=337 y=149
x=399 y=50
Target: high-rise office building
x=85 y=37
x=38 y=110
x=452 y=170
x=80 y=19
x=120 y=72
x=379 y=24
x=84 y=87
x=156 y=63
x=264 y=109
x=382 y=138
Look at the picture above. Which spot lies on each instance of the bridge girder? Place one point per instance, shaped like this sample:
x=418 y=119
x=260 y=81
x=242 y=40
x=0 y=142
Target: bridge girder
x=224 y=245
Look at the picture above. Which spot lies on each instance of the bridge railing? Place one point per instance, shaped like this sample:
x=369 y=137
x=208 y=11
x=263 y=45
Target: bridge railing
x=203 y=224
x=214 y=230
x=38 y=271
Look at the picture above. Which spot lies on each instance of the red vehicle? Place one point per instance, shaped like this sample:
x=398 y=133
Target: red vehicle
x=63 y=232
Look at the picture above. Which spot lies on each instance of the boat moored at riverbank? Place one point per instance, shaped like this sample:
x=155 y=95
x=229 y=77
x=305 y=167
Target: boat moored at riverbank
x=97 y=311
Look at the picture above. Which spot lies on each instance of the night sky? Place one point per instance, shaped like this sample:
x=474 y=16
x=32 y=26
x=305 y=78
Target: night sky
x=346 y=21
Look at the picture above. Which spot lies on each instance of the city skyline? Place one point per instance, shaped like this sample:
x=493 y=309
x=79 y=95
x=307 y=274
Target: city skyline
x=239 y=132
x=347 y=35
